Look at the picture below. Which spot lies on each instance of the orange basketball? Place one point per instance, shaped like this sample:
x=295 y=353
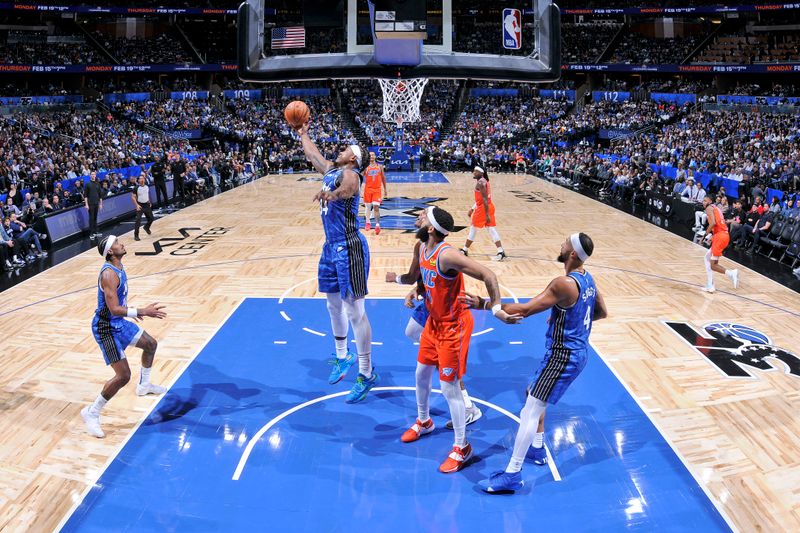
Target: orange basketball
x=296 y=113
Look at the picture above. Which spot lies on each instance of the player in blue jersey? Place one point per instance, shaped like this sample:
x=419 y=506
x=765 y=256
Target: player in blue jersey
x=419 y=317
x=344 y=264
x=113 y=333
x=574 y=303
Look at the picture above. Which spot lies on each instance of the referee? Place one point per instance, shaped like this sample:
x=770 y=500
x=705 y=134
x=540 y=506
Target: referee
x=141 y=198
x=93 y=201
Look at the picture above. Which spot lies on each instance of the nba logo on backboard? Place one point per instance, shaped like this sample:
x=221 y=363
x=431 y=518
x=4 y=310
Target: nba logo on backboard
x=512 y=29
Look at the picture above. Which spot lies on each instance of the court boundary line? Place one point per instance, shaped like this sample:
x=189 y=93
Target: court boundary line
x=713 y=499
x=251 y=444
x=147 y=414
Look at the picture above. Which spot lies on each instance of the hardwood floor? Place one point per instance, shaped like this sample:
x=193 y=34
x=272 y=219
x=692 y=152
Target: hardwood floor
x=739 y=437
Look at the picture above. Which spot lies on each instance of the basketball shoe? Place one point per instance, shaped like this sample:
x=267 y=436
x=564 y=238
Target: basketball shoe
x=502 y=482
x=143 y=389
x=361 y=387
x=417 y=430
x=340 y=367
x=457 y=459
x=473 y=414
x=537 y=455
x=92 y=423
x=377 y=229
x=367 y=226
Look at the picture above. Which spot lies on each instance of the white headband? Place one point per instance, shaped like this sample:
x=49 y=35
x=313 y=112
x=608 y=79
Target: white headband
x=109 y=244
x=575 y=239
x=356 y=152
x=435 y=224
x=479 y=169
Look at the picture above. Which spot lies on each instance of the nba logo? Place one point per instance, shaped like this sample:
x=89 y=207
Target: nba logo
x=512 y=29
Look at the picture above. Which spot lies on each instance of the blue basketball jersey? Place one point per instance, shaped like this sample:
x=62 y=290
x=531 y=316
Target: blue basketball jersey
x=102 y=310
x=570 y=328
x=340 y=217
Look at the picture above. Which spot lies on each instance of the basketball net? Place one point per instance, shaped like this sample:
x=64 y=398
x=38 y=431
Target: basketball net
x=401 y=99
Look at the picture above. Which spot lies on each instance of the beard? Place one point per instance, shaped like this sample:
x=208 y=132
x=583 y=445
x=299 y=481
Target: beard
x=562 y=257
x=422 y=234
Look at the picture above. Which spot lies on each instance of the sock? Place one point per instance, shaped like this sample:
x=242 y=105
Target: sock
x=424 y=374
x=467 y=402
x=145 y=376
x=729 y=273
x=365 y=364
x=341 y=347
x=98 y=405
x=529 y=422
x=538 y=440
x=458 y=411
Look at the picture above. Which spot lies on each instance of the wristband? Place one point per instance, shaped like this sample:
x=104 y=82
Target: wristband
x=133 y=312
x=398 y=280
x=496 y=309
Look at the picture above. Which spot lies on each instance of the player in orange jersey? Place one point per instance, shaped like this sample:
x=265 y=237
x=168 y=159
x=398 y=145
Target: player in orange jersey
x=720 y=238
x=373 y=178
x=482 y=214
x=444 y=343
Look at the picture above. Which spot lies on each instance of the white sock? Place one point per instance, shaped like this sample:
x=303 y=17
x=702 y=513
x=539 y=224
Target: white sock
x=529 y=422
x=341 y=347
x=423 y=375
x=365 y=364
x=458 y=411
x=98 y=405
x=467 y=402
x=729 y=273
x=538 y=440
x=144 y=378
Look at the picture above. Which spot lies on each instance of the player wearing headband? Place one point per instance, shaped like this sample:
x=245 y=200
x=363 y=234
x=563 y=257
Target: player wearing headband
x=482 y=214
x=113 y=333
x=444 y=343
x=574 y=303
x=344 y=264
x=374 y=178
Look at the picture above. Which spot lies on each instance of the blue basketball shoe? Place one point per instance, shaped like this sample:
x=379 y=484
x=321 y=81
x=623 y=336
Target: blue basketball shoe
x=537 y=455
x=340 y=367
x=361 y=387
x=502 y=482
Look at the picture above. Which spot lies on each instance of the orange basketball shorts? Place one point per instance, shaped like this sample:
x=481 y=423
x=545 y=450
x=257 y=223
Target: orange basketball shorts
x=372 y=196
x=719 y=242
x=479 y=217
x=446 y=345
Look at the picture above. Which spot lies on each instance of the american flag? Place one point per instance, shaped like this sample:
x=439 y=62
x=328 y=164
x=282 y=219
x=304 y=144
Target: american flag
x=291 y=37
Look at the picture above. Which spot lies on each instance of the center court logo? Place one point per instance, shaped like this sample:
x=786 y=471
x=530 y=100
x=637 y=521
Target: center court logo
x=189 y=247
x=402 y=212
x=736 y=350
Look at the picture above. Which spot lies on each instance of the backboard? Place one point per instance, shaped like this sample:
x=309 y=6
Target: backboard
x=285 y=40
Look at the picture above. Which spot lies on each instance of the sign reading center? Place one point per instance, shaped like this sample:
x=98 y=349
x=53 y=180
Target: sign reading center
x=189 y=247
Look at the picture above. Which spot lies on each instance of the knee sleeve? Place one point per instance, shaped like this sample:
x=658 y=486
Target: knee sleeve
x=413 y=330
x=493 y=233
x=471 y=236
x=338 y=317
x=357 y=314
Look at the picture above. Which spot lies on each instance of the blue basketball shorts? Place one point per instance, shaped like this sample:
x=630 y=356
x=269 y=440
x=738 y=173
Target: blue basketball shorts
x=420 y=313
x=558 y=370
x=114 y=336
x=344 y=267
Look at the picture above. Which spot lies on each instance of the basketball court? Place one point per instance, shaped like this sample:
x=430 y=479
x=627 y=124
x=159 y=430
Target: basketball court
x=684 y=419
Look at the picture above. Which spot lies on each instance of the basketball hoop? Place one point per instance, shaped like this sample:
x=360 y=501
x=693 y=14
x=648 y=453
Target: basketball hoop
x=401 y=99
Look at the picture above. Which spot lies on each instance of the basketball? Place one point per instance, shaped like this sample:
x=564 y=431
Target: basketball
x=296 y=113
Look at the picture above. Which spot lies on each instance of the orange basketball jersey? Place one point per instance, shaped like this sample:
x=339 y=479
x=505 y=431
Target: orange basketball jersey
x=479 y=197
x=441 y=291
x=373 y=177
x=719 y=221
